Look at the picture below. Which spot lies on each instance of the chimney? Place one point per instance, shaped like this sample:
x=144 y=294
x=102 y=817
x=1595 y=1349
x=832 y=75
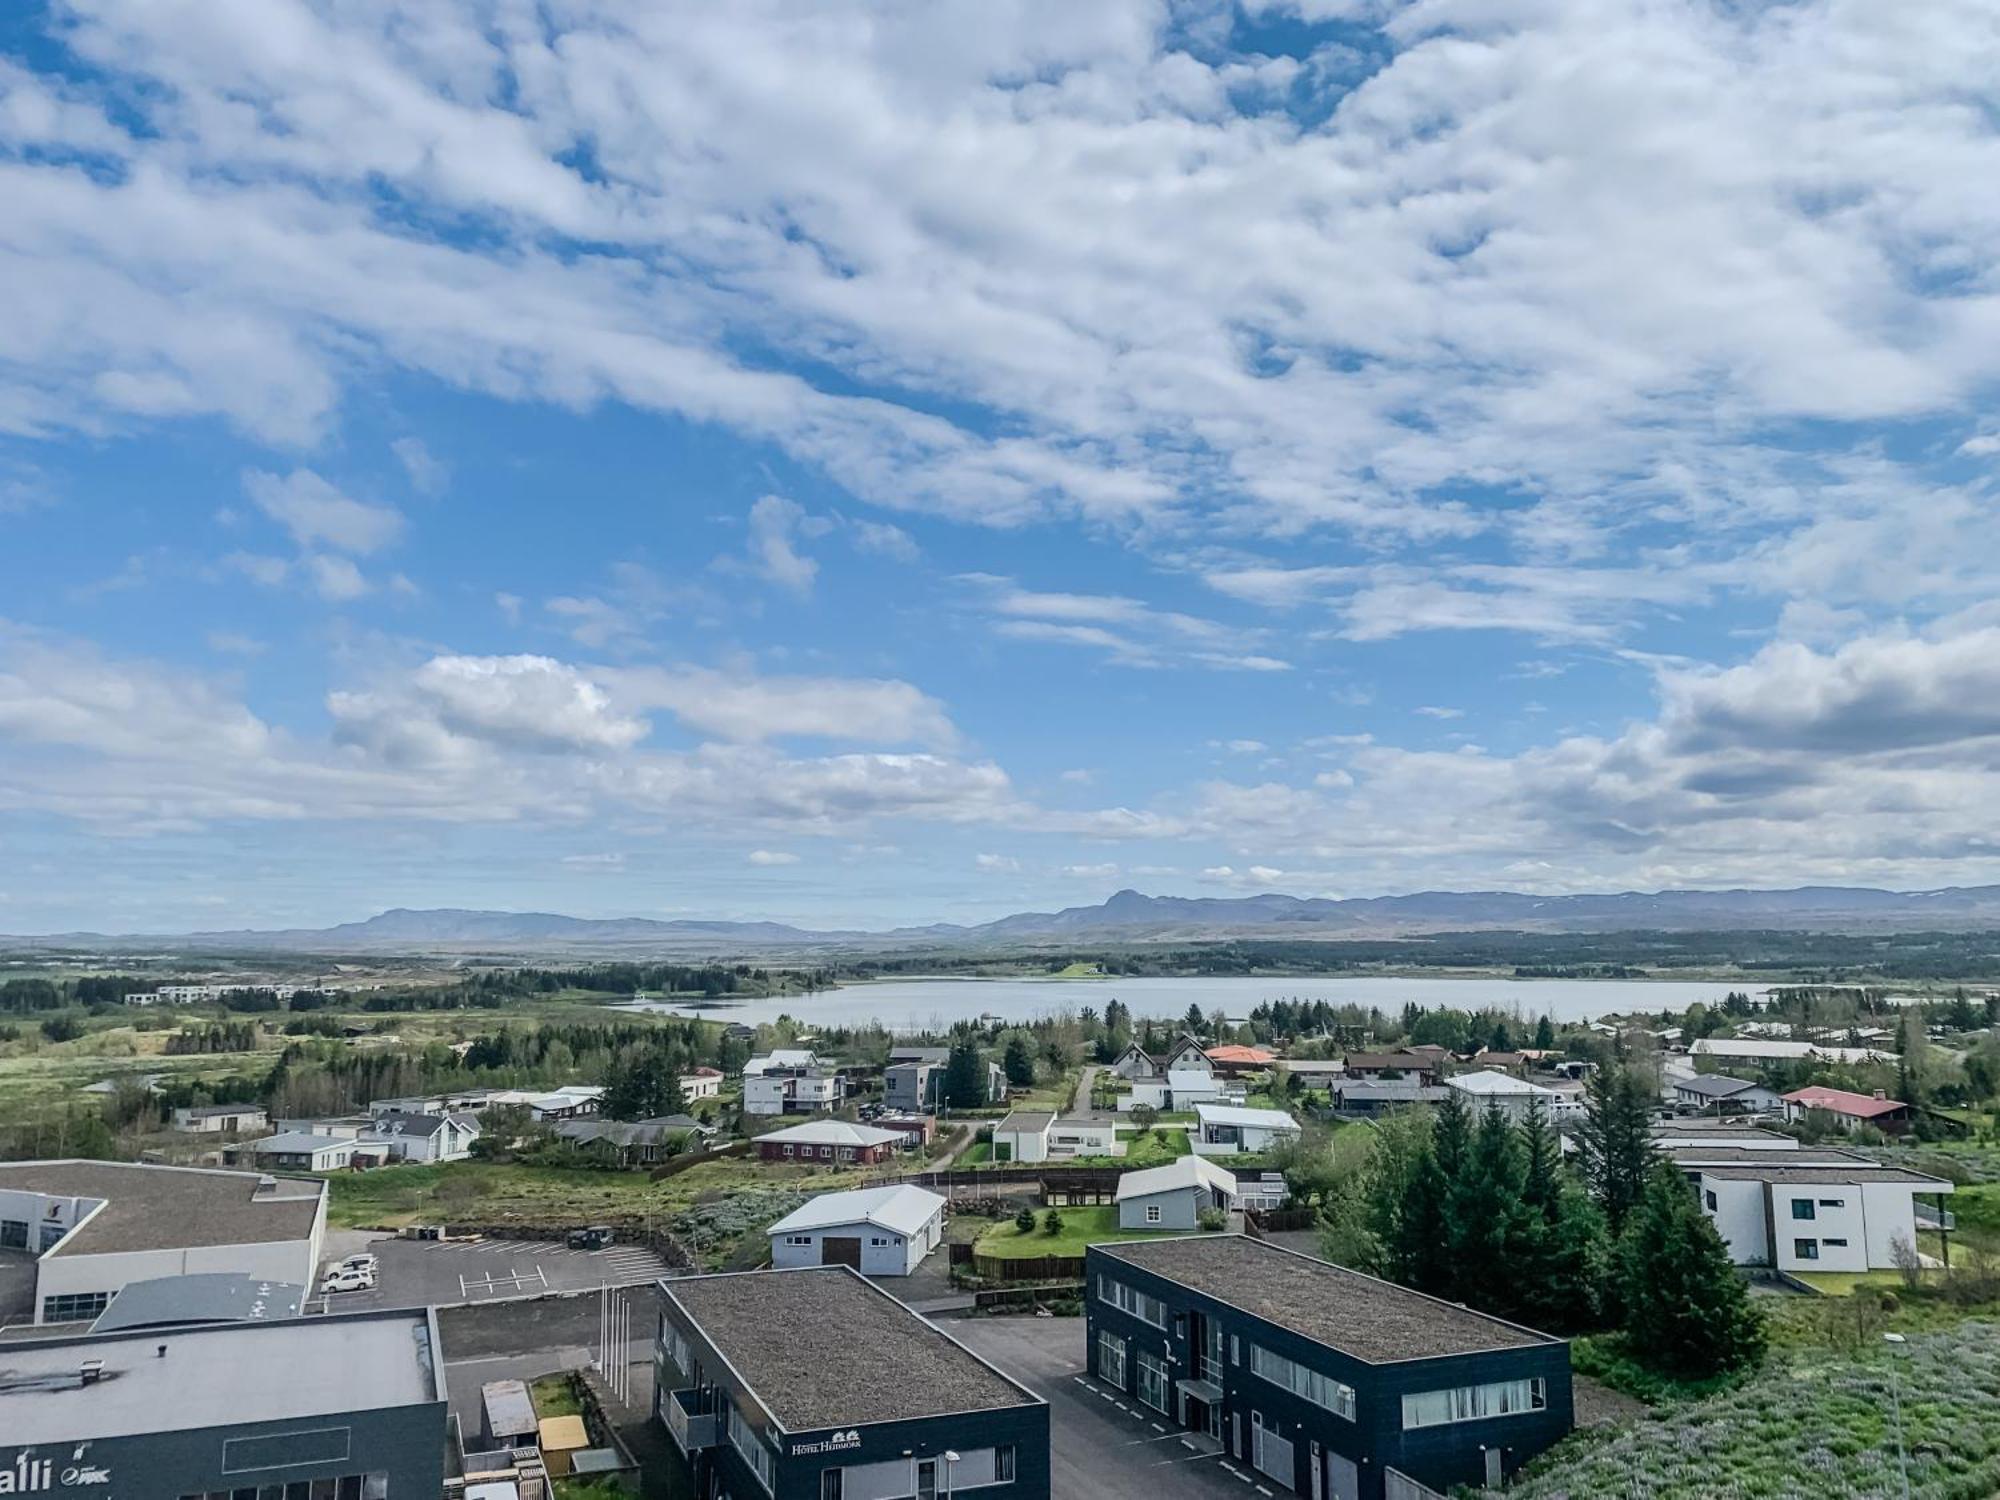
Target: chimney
x=92 y=1371
x=1881 y=1094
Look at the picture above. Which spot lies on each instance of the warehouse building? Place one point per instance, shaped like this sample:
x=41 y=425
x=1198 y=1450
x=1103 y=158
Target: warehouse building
x=818 y=1385
x=879 y=1231
x=1326 y=1382
x=99 y=1226
x=349 y=1407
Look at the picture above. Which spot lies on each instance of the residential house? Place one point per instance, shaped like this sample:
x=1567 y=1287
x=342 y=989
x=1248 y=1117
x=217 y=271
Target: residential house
x=914 y=1086
x=1719 y=1094
x=1232 y=1060
x=220 y=1119
x=1362 y=1097
x=1313 y=1072
x=1174 y=1196
x=639 y=1143
x=1773 y=1209
x=1407 y=1066
x=1037 y=1135
x=297 y=1151
x=884 y=1231
x=1135 y=1063
x=1848 y=1109
x=425 y=1138
x=823 y=1141
x=1225 y=1130
x=781 y=1057
x=1187 y=1078
x=1731 y=1050
x=1514 y=1097
x=1319 y=1380
x=701 y=1083
x=792 y=1091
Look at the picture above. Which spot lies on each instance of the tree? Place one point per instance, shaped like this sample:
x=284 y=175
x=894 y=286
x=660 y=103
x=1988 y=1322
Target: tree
x=1143 y=1116
x=1019 y=1060
x=1687 y=1312
x=1194 y=1022
x=1052 y=1223
x=1024 y=1221
x=1617 y=1149
x=1559 y=1261
x=1545 y=1035
x=965 y=1076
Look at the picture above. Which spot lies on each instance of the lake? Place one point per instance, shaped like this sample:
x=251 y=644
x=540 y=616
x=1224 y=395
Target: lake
x=906 y=1005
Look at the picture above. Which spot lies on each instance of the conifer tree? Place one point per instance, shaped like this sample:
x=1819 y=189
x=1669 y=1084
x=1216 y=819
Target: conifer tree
x=1617 y=1150
x=1687 y=1312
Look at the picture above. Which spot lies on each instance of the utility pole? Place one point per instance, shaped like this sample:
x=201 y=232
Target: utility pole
x=1896 y=1341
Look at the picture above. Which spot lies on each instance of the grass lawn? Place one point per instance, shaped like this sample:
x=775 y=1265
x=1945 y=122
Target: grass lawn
x=1847 y=1283
x=554 y=1396
x=1146 y=1150
x=1080 y=1227
x=974 y=1155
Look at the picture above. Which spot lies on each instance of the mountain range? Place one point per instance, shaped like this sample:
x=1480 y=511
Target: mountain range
x=1127 y=917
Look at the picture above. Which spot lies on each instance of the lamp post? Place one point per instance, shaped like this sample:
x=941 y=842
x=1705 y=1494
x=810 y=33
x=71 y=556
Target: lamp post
x=1896 y=1341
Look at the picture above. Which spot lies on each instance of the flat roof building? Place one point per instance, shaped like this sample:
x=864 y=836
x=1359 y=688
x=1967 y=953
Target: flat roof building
x=351 y=1407
x=99 y=1226
x=802 y=1384
x=1323 y=1380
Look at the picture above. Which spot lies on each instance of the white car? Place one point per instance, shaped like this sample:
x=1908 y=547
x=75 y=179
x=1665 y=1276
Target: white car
x=368 y=1265
x=347 y=1281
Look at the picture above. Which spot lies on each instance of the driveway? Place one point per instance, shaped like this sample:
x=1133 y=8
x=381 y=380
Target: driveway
x=1080 y=1112
x=421 y=1273
x=1102 y=1445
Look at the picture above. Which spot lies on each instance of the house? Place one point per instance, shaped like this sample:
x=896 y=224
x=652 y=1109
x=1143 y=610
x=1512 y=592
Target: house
x=1261 y=1191
x=1313 y=1072
x=1234 y=1061
x=425 y=1138
x=1775 y=1209
x=1710 y=1133
x=1727 y=1050
x=792 y=1091
x=1513 y=1097
x=639 y=1143
x=1366 y=1098
x=1174 y=1196
x=98 y=1226
x=830 y=1140
x=914 y=1086
x=570 y=1102
x=1848 y=1109
x=1405 y=1066
x=1186 y=1078
x=220 y=1119
x=1135 y=1063
x=702 y=1083
x=781 y=1057
x=297 y=1151
x=815 y=1383
x=1718 y=1093
x=902 y=1052
x=883 y=1231
x=1031 y=1135
x=1323 y=1381
x=1224 y=1130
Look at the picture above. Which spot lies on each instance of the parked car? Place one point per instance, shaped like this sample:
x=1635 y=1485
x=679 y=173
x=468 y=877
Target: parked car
x=347 y=1281
x=596 y=1237
x=365 y=1263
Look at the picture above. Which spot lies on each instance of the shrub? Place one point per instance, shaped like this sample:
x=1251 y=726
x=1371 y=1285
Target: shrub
x=1052 y=1223
x=1024 y=1221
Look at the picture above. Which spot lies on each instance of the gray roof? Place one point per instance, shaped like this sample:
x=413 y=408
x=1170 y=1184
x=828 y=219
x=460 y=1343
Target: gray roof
x=297 y=1141
x=206 y=1297
x=1034 y=1121
x=1730 y=1156
x=1807 y=1172
x=919 y=1054
x=216 y=1111
x=219 y=1376
x=1713 y=1085
x=170 y=1208
x=904 y=1210
x=623 y=1133
x=1371 y=1320
x=1394 y=1091
x=400 y=1122
x=822 y=1347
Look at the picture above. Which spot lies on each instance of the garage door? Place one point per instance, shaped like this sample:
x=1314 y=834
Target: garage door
x=840 y=1252
x=13 y=1234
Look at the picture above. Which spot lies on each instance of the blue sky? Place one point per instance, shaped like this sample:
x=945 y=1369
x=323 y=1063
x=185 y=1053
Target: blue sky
x=858 y=464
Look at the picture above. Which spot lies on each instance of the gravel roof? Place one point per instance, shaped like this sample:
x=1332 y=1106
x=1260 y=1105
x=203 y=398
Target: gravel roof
x=1730 y=1156
x=822 y=1347
x=1034 y=1121
x=160 y=1208
x=1360 y=1316
x=1806 y=1172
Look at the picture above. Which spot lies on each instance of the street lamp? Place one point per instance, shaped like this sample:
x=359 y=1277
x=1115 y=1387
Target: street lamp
x=1896 y=1341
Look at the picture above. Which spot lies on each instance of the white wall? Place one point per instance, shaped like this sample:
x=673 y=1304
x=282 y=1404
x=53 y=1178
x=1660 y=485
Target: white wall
x=764 y=1096
x=1066 y=1139
x=895 y=1255
x=1151 y=1091
x=1739 y=1217
x=1892 y=1211
x=1838 y=1213
x=295 y=1261
x=1023 y=1145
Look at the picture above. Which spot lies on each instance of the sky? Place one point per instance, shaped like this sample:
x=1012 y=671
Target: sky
x=858 y=464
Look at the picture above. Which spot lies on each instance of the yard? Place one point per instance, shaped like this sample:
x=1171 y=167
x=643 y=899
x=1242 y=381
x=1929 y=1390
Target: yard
x=1154 y=1148
x=1080 y=1227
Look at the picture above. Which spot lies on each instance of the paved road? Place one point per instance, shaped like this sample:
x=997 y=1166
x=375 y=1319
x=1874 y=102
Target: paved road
x=1102 y=1447
x=1081 y=1111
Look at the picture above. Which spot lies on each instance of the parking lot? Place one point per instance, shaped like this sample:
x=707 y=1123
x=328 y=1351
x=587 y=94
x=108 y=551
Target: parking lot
x=417 y=1273
x=1101 y=1443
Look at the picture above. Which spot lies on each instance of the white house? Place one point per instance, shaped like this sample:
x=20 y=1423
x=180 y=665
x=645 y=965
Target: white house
x=1030 y=1135
x=781 y=1057
x=298 y=1151
x=1814 y=1215
x=1514 y=1096
x=1225 y=1129
x=1720 y=1094
x=878 y=1231
x=702 y=1083
x=425 y=1137
x=791 y=1091
x=220 y=1119
x=1173 y=1196
x=1693 y=1136
x=1185 y=1078
x=99 y=1226
x=1727 y=1050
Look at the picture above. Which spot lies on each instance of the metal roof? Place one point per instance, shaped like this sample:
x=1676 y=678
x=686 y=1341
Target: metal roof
x=833 y=1133
x=1487 y=1084
x=1182 y=1172
x=1230 y=1114
x=298 y=1140
x=203 y=1297
x=903 y=1210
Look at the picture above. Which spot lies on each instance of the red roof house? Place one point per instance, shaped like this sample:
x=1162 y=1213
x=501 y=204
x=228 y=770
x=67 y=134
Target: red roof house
x=1232 y=1059
x=1849 y=1108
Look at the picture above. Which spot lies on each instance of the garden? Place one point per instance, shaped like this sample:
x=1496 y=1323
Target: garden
x=1075 y=1229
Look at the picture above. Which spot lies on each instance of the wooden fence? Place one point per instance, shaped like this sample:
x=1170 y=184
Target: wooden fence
x=1028 y=1268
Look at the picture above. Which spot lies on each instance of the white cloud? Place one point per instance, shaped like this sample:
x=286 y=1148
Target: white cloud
x=997 y=863
x=428 y=474
x=315 y=513
x=775 y=527
x=335 y=579
x=741 y=706
x=593 y=861
x=258 y=568
x=885 y=540
x=1438 y=711
x=1091 y=872
x=771 y=857
x=509 y=606
x=530 y=701
x=234 y=643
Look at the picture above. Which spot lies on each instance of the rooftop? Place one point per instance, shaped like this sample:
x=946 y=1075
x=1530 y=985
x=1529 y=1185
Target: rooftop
x=1403 y=1061
x=205 y=1297
x=1368 y=1319
x=833 y=1133
x=169 y=1208
x=901 y=1210
x=1231 y=1114
x=232 y=1374
x=218 y=1111
x=298 y=1140
x=1713 y=1085
x=1181 y=1172
x=1729 y=1156
x=1232 y=1053
x=1844 y=1102
x=1806 y=1172
x=1034 y=1121
x=1490 y=1085
x=823 y=1347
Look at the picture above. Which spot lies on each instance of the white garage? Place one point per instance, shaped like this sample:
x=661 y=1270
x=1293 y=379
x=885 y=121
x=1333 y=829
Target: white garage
x=878 y=1231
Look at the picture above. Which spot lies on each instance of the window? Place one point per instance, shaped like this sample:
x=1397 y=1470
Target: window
x=1111 y=1359
x=675 y=1343
x=1153 y=1381
x=1802 y=1208
x=1132 y=1300
x=1830 y=1243
x=1833 y=1203
x=1003 y=1465
x=1152 y=1213
x=798 y=1239
x=744 y=1439
x=829 y=1484
x=1235 y=1350
x=1469 y=1403
x=1709 y=1198
x=373 y=1486
x=1321 y=1390
x=74 y=1307
x=788 y=1148
x=1805 y=1249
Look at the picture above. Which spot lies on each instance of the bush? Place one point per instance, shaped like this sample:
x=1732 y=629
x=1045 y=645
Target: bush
x=1052 y=1223
x=1212 y=1219
x=1024 y=1221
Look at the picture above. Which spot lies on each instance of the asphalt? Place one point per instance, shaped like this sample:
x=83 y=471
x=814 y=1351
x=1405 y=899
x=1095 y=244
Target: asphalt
x=17 y=1287
x=1102 y=1446
x=421 y=1273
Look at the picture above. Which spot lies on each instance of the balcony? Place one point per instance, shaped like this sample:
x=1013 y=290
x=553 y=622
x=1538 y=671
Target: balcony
x=693 y=1428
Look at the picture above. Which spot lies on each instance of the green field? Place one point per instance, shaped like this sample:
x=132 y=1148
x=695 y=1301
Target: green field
x=1080 y=1227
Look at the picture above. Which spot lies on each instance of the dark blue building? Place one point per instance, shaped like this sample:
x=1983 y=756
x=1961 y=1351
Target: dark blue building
x=814 y=1384
x=1332 y=1384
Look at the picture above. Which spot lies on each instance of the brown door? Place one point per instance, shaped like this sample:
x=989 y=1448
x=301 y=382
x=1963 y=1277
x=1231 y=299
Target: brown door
x=840 y=1252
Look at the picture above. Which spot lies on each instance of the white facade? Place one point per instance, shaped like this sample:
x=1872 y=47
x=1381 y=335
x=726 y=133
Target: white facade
x=1514 y=1097
x=790 y=1092
x=1074 y=1138
x=703 y=1083
x=890 y=1230
x=220 y=1120
x=1023 y=1137
x=1799 y=1221
x=1222 y=1130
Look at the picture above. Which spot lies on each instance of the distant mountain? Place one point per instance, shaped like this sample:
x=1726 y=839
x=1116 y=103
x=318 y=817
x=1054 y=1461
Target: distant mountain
x=1128 y=916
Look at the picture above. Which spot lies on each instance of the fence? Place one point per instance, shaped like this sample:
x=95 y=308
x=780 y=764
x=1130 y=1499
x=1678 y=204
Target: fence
x=1028 y=1268
x=1258 y=1222
x=1399 y=1486
x=1027 y=1296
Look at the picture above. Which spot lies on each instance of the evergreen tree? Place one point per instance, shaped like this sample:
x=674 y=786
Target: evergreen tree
x=1194 y=1021
x=1487 y=1223
x=965 y=1076
x=1404 y=1211
x=1617 y=1149
x=1559 y=1261
x=1545 y=1035
x=1687 y=1312
x=1019 y=1061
